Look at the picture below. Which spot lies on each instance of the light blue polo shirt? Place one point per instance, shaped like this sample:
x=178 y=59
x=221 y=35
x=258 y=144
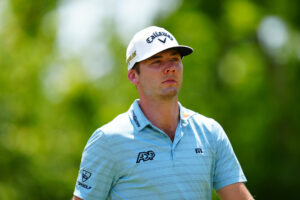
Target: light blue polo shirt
x=129 y=158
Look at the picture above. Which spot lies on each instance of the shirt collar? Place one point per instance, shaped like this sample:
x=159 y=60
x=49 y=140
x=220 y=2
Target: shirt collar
x=185 y=114
x=138 y=116
x=140 y=121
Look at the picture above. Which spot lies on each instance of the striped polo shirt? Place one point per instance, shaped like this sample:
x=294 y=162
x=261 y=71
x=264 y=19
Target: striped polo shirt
x=130 y=158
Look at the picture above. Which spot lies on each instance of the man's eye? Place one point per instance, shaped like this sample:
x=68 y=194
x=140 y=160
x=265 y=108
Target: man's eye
x=156 y=62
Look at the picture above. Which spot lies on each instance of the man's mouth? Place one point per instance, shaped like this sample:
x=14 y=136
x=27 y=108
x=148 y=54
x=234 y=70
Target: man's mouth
x=170 y=80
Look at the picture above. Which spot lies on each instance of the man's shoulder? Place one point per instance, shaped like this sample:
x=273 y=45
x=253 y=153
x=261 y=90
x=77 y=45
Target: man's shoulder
x=189 y=114
x=207 y=127
x=118 y=131
x=119 y=126
x=199 y=119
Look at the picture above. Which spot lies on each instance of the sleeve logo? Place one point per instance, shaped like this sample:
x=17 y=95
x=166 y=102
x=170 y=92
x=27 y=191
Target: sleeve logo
x=85 y=175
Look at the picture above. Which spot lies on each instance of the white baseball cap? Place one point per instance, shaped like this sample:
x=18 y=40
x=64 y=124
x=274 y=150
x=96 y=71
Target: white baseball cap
x=151 y=41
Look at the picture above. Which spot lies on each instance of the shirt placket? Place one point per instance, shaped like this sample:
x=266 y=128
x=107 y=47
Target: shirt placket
x=178 y=136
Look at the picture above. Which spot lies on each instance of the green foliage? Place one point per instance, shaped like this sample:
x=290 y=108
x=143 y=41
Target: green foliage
x=50 y=106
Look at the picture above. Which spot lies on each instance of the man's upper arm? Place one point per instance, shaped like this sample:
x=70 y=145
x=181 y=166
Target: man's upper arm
x=236 y=191
x=227 y=169
x=97 y=169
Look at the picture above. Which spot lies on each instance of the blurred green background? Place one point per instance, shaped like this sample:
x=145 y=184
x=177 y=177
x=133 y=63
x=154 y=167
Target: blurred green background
x=63 y=74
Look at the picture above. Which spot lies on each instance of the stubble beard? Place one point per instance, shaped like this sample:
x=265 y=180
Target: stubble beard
x=169 y=93
x=164 y=93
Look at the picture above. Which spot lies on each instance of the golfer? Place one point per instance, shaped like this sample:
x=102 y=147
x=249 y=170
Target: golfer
x=158 y=149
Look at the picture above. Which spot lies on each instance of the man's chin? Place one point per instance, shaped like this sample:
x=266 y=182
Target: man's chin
x=170 y=93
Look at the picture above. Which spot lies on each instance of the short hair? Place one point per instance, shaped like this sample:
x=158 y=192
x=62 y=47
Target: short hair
x=136 y=67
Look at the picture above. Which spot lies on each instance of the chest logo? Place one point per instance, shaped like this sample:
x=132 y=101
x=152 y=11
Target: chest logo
x=145 y=156
x=198 y=150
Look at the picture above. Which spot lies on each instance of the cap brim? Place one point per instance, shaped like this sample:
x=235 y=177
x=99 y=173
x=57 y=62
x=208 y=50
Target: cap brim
x=183 y=50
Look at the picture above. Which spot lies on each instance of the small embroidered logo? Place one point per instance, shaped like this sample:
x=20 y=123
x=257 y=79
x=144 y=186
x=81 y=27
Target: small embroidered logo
x=159 y=34
x=163 y=41
x=135 y=119
x=85 y=175
x=198 y=150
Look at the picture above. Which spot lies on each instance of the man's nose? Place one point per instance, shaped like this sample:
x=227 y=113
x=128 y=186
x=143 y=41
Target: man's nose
x=170 y=67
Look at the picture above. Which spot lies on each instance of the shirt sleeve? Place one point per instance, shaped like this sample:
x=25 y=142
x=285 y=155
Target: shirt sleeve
x=227 y=169
x=97 y=169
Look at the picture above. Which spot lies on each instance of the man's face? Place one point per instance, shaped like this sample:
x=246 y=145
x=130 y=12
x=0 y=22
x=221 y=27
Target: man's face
x=160 y=75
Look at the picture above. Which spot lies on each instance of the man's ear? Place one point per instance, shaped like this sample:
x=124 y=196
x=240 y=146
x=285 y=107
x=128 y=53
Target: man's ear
x=133 y=77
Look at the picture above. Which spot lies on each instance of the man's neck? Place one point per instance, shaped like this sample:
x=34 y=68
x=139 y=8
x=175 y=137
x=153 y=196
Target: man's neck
x=164 y=114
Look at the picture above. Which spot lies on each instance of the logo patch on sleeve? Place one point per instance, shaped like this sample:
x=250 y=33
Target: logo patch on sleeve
x=85 y=175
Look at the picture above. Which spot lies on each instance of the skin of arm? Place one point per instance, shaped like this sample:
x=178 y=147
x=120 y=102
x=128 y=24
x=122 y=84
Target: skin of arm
x=76 y=198
x=235 y=191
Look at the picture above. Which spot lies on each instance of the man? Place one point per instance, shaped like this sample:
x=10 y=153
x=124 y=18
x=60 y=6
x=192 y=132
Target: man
x=159 y=149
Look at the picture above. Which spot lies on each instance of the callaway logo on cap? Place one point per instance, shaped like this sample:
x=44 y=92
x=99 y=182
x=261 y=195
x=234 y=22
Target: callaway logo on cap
x=151 y=41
